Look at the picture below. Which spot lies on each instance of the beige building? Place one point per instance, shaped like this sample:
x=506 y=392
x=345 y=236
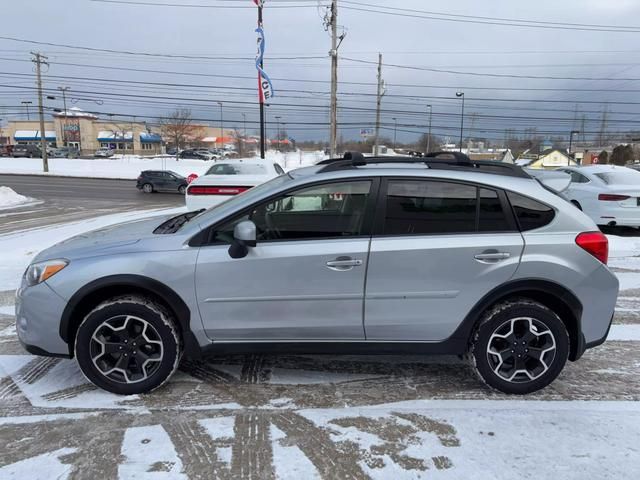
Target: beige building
x=88 y=133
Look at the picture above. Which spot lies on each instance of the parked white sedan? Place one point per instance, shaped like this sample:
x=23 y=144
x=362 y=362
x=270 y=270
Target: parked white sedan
x=226 y=179
x=610 y=195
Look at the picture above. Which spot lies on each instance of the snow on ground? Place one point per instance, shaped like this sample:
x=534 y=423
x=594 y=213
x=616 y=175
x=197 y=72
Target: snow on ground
x=18 y=248
x=130 y=166
x=10 y=199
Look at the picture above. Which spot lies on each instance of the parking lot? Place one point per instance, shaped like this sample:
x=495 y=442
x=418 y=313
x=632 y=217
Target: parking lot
x=307 y=416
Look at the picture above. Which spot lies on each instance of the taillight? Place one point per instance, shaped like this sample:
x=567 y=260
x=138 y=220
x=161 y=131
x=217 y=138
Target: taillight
x=596 y=243
x=610 y=197
x=202 y=190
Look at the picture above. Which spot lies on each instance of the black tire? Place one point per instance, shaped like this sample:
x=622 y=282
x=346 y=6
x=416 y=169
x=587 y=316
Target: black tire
x=163 y=349
x=577 y=204
x=182 y=189
x=513 y=316
x=148 y=188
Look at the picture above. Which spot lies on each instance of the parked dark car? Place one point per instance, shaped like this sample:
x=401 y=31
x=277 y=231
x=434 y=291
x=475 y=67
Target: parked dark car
x=194 y=155
x=151 y=181
x=28 y=151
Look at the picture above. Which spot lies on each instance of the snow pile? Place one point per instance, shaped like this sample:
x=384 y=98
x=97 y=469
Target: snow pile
x=10 y=199
x=128 y=167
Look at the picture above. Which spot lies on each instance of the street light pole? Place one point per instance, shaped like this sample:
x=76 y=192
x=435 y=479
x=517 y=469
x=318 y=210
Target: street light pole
x=573 y=132
x=395 y=132
x=64 y=124
x=429 y=137
x=26 y=104
x=461 y=95
x=221 y=126
x=278 y=134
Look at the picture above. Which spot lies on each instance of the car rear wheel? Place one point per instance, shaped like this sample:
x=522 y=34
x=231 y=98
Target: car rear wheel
x=128 y=345
x=519 y=347
x=147 y=188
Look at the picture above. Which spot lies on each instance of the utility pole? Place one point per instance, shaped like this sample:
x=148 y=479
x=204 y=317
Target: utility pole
x=378 y=105
x=39 y=60
x=26 y=103
x=333 y=142
x=429 y=137
x=64 y=124
x=244 y=121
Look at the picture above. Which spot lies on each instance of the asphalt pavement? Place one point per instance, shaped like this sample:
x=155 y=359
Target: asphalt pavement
x=65 y=199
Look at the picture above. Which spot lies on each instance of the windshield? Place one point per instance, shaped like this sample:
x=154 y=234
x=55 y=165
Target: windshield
x=237 y=169
x=620 y=177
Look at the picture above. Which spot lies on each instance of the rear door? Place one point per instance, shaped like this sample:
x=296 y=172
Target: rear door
x=438 y=248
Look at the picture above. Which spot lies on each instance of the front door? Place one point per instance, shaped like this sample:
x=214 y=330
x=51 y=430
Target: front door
x=441 y=247
x=304 y=281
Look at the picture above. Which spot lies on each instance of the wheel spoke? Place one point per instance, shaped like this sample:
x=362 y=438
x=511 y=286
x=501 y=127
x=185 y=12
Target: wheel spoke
x=126 y=349
x=521 y=349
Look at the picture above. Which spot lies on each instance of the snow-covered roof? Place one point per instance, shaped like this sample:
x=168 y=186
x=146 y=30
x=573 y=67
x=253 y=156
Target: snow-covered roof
x=108 y=135
x=74 y=112
x=24 y=135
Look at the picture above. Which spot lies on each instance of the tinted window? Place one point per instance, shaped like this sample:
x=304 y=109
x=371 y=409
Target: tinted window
x=326 y=211
x=492 y=217
x=530 y=213
x=577 y=177
x=425 y=207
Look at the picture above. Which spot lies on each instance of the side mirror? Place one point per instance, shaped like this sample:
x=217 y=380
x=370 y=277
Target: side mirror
x=244 y=236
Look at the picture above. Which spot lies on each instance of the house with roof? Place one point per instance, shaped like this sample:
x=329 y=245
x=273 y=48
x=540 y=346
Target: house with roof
x=548 y=159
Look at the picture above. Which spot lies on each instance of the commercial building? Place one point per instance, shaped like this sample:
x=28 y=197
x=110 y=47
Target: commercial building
x=86 y=132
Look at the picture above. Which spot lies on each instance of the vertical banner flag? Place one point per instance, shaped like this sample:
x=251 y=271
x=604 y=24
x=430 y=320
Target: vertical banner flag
x=265 y=89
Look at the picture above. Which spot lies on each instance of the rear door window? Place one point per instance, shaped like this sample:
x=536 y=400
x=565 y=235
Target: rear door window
x=530 y=214
x=426 y=207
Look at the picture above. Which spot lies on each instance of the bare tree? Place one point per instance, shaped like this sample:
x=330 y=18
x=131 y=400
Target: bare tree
x=177 y=128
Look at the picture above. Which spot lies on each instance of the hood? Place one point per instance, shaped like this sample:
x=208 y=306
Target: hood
x=104 y=240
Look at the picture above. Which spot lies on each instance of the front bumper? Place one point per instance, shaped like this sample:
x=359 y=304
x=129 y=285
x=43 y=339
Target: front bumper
x=38 y=313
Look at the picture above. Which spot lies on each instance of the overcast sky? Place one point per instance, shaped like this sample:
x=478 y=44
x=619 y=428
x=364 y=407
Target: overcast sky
x=294 y=31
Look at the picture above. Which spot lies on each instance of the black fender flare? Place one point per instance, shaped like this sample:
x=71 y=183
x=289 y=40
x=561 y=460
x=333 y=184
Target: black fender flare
x=119 y=284
x=563 y=298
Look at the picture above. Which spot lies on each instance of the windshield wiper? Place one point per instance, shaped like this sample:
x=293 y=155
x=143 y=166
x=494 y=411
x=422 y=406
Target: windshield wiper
x=176 y=223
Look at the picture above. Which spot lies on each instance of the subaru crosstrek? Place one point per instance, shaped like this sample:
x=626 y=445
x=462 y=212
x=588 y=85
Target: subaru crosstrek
x=432 y=255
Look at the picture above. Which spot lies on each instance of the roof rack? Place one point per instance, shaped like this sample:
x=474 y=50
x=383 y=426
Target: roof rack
x=436 y=160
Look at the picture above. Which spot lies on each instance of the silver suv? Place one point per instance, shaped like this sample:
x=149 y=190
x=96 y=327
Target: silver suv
x=362 y=255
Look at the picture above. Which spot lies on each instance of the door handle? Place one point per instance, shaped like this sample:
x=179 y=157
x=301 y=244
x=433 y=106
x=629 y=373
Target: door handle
x=491 y=257
x=343 y=264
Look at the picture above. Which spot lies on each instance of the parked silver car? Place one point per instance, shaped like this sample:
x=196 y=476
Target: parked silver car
x=377 y=255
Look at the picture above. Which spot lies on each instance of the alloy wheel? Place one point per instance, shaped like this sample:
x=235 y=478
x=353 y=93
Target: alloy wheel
x=126 y=349
x=521 y=350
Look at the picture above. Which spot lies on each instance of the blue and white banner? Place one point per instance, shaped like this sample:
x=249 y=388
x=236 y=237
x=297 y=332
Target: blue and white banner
x=265 y=89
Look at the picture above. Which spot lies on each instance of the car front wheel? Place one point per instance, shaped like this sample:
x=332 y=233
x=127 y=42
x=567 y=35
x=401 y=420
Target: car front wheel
x=128 y=345
x=519 y=347
x=182 y=189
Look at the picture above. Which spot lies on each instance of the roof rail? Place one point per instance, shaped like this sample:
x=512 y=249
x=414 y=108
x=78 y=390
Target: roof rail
x=436 y=160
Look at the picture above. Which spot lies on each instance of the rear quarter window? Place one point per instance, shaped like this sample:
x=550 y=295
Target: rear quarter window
x=530 y=213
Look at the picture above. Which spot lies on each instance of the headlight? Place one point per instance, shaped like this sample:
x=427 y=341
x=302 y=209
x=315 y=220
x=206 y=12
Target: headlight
x=39 y=272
